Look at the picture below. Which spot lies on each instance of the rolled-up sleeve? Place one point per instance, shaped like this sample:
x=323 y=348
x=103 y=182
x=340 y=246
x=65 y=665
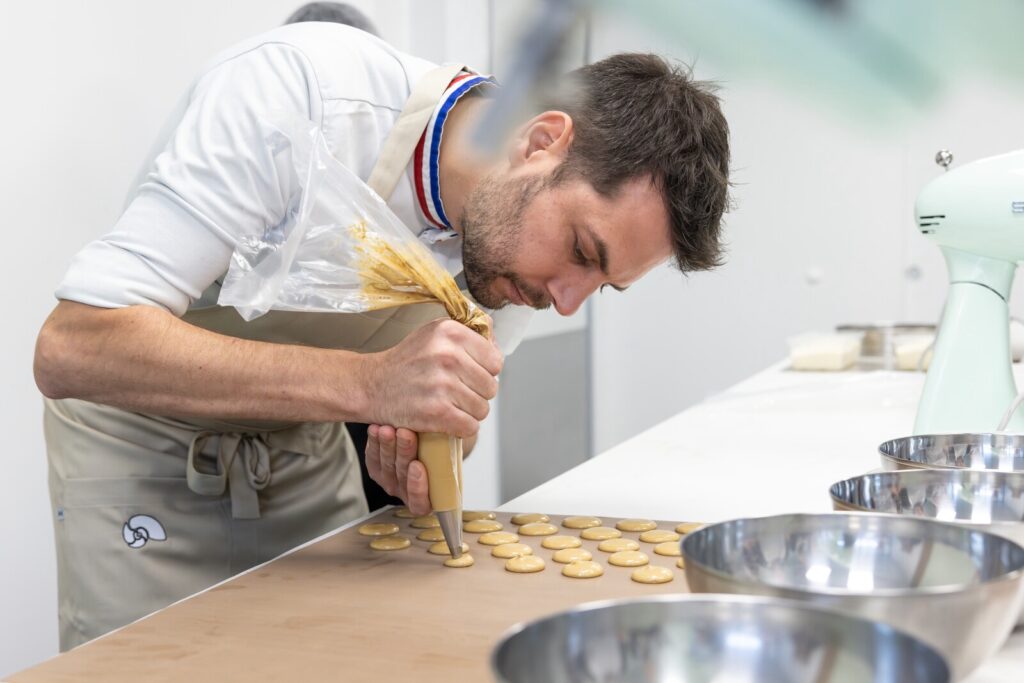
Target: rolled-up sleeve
x=216 y=180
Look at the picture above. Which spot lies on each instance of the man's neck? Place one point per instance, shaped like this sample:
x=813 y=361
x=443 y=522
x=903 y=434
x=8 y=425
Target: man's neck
x=459 y=166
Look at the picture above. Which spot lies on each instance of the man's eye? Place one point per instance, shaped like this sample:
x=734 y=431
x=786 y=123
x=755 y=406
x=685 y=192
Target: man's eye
x=577 y=254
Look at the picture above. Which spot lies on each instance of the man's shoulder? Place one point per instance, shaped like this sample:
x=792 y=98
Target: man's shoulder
x=346 y=63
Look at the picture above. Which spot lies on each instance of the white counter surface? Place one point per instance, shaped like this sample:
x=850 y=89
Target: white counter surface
x=771 y=444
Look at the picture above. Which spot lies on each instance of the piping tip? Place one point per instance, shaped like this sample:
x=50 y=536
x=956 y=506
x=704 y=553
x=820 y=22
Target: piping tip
x=451 y=527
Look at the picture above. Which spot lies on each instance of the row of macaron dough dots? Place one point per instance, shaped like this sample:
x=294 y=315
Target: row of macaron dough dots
x=578 y=562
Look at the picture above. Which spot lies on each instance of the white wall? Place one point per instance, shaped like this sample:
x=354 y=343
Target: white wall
x=815 y=195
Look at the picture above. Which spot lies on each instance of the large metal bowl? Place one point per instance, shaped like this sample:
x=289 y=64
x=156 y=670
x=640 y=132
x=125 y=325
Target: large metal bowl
x=989 y=501
x=957 y=589
x=982 y=451
x=700 y=639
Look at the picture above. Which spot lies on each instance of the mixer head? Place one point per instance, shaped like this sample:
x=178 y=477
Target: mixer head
x=977 y=208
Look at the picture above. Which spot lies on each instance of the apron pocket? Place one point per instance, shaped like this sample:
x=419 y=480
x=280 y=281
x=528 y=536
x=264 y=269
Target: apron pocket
x=129 y=546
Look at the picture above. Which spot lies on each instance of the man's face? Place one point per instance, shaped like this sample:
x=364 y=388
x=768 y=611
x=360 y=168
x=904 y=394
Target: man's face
x=530 y=241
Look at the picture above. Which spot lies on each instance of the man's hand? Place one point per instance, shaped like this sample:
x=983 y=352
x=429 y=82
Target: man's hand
x=391 y=462
x=438 y=379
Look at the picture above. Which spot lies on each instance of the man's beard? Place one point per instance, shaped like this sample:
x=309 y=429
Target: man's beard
x=492 y=224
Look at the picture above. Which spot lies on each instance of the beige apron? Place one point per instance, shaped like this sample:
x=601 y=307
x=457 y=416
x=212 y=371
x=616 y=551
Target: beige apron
x=151 y=509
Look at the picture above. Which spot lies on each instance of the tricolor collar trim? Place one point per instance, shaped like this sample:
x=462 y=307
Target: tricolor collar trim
x=426 y=168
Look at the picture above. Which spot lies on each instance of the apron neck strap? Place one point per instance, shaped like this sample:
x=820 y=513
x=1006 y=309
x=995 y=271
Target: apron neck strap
x=405 y=134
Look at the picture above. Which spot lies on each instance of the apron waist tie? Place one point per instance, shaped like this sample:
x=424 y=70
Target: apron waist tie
x=242 y=467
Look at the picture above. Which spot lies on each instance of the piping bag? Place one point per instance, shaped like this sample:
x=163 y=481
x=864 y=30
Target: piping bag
x=387 y=268
x=340 y=249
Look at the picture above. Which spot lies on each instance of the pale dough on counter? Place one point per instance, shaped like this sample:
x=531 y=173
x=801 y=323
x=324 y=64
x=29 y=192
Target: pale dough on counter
x=525 y=564
x=567 y=555
x=688 y=527
x=652 y=574
x=464 y=560
x=538 y=529
x=425 y=522
x=658 y=536
x=499 y=538
x=668 y=548
x=910 y=349
x=581 y=522
x=378 y=529
x=403 y=513
x=636 y=525
x=828 y=351
x=680 y=563
x=583 y=569
x=628 y=558
x=390 y=543
x=529 y=518
x=441 y=548
x=507 y=551
x=482 y=526
x=470 y=515
x=432 y=535
x=560 y=542
x=599 y=533
x=614 y=545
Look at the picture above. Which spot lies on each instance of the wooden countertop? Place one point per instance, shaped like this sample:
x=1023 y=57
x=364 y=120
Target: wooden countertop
x=337 y=610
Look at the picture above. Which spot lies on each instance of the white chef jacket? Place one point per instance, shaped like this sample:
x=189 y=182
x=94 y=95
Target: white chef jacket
x=212 y=179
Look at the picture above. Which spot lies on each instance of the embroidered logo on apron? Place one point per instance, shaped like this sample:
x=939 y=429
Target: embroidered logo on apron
x=140 y=529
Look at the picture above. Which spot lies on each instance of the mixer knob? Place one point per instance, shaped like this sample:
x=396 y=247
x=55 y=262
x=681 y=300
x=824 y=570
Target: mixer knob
x=944 y=158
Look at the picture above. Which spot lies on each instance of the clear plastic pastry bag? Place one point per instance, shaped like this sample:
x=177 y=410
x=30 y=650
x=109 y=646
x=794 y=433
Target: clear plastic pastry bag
x=339 y=248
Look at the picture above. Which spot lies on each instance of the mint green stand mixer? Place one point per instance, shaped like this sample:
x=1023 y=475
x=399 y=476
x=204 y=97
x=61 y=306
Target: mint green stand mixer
x=975 y=213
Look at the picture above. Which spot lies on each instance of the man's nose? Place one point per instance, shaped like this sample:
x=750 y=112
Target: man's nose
x=569 y=294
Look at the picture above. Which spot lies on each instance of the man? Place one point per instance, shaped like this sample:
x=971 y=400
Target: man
x=186 y=445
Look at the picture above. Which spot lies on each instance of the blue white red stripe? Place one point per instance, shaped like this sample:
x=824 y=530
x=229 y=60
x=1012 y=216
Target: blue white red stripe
x=425 y=159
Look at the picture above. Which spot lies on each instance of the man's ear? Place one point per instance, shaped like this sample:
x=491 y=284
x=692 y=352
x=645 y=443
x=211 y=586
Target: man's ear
x=547 y=134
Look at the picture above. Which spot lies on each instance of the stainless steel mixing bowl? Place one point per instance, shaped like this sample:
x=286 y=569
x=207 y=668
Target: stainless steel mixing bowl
x=981 y=451
x=700 y=639
x=957 y=589
x=989 y=501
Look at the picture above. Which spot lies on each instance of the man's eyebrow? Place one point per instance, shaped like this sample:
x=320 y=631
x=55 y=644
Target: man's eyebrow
x=602 y=255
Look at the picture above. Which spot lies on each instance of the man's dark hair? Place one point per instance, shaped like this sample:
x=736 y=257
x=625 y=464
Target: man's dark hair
x=637 y=115
x=335 y=12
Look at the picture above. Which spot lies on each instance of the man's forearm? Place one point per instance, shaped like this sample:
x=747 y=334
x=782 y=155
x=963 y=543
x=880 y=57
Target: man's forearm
x=146 y=360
